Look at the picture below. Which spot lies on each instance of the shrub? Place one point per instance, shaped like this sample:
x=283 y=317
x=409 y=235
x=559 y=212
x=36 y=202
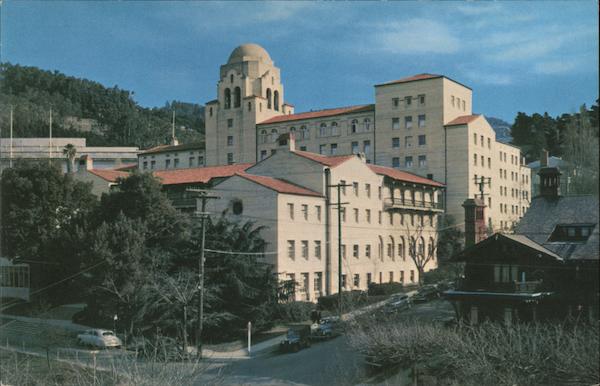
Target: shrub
x=386 y=288
x=294 y=311
x=446 y=272
x=350 y=300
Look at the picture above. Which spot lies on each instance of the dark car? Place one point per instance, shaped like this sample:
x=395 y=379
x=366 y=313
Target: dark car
x=297 y=338
x=425 y=294
x=328 y=327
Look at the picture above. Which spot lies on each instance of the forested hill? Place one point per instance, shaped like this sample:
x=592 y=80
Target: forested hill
x=84 y=108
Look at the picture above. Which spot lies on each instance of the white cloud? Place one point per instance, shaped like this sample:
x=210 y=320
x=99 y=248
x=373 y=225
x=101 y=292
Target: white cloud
x=416 y=36
x=480 y=8
x=556 y=67
x=490 y=78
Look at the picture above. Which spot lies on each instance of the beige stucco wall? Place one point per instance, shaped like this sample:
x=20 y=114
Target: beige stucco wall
x=160 y=160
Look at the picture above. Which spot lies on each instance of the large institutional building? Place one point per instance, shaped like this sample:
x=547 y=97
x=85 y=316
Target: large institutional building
x=422 y=124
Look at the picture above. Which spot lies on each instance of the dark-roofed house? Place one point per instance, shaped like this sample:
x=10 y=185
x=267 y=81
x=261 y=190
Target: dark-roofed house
x=547 y=270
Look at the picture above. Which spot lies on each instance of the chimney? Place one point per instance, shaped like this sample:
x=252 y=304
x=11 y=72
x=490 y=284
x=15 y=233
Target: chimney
x=85 y=163
x=287 y=140
x=549 y=182
x=544 y=158
x=475 y=229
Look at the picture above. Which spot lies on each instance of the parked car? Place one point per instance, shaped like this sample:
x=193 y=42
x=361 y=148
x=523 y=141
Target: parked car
x=297 y=338
x=396 y=303
x=328 y=327
x=99 y=338
x=425 y=294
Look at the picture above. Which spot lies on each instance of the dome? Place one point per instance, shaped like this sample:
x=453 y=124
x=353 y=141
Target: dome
x=249 y=52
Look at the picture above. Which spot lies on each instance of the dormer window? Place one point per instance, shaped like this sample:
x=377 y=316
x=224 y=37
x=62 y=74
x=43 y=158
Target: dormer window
x=571 y=232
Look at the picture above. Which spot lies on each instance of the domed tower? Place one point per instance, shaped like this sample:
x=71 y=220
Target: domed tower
x=249 y=91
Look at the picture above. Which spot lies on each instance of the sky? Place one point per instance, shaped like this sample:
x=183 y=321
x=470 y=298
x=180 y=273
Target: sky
x=516 y=56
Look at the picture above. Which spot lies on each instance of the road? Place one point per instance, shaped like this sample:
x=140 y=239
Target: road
x=331 y=362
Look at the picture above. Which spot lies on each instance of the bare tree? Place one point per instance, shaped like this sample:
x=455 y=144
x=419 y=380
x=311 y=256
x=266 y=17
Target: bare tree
x=420 y=250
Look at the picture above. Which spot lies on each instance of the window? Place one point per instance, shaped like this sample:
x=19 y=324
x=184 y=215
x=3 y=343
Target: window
x=481 y=140
x=412 y=275
x=505 y=273
x=367 y=147
x=291 y=249
x=304 y=249
x=237 y=97
x=422 y=140
x=391 y=276
x=229 y=123
x=368 y=215
x=368 y=190
x=318 y=249
x=395 y=123
x=334 y=128
x=401 y=252
x=452 y=98
x=304 y=132
x=489 y=163
x=318 y=283
x=474 y=138
x=343 y=210
x=231 y=78
x=269 y=98
x=379 y=192
x=356 y=215
x=249 y=106
x=291 y=210
x=227 y=99
x=302 y=148
x=354 y=126
x=276 y=100
x=368 y=251
x=176 y=163
x=145 y=165
x=333 y=148
x=422 y=120
x=355 y=188
x=167 y=164
x=395 y=162
x=369 y=278
x=463 y=105
x=152 y=165
x=367 y=123
x=571 y=233
x=343 y=188
x=229 y=158
x=422 y=161
x=408 y=162
x=395 y=143
x=318 y=209
x=422 y=99
x=263 y=154
x=230 y=140
x=323 y=130
x=210 y=111
x=408 y=122
x=475 y=159
x=305 y=211
x=344 y=284
x=343 y=250
x=408 y=141
x=322 y=149
x=379 y=217
x=355 y=251
x=408 y=100
x=402 y=277
x=395 y=102
x=356 y=280
x=355 y=148
x=482 y=161
x=489 y=141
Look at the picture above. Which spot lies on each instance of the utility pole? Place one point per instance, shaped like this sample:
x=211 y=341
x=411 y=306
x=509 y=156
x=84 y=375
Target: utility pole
x=339 y=204
x=481 y=182
x=204 y=197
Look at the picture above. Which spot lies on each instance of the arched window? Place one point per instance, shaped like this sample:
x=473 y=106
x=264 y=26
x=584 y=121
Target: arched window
x=268 y=98
x=367 y=123
x=353 y=126
x=421 y=247
x=323 y=130
x=210 y=111
x=274 y=135
x=276 y=100
x=305 y=134
x=231 y=78
x=412 y=247
x=334 y=128
x=431 y=247
x=390 y=251
x=292 y=129
x=227 y=99
x=263 y=136
x=380 y=248
x=237 y=97
x=401 y=249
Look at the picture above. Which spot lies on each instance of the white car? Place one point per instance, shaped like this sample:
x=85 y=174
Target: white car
x=99 y=338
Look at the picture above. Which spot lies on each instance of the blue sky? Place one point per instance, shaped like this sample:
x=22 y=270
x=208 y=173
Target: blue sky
x=516 y=56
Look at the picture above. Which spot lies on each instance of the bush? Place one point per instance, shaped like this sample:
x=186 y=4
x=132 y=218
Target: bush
x=387 y=288
x=294 y=311
x=350 y=300
x=446 y=272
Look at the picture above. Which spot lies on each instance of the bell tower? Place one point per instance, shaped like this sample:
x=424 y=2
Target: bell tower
x=249 y=91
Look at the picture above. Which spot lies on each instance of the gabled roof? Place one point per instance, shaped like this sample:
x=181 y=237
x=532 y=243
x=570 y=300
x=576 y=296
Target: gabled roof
x=401 y=175
x=319 y=114
x=109 y=174
x=544 y=214
x=491 y=244
x=198 y=175
x=418 y=77
x=463 y=120
x=278 y=185
x=168 y=148
x=330 y=161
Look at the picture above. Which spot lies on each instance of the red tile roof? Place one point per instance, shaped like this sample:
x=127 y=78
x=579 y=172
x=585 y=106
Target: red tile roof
x=319 y=114
x=109 y=174
x=198 y=175
x=278 y=185
x=403 y=176
x=323 y=159
x=463 y=120
x=126 y=168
